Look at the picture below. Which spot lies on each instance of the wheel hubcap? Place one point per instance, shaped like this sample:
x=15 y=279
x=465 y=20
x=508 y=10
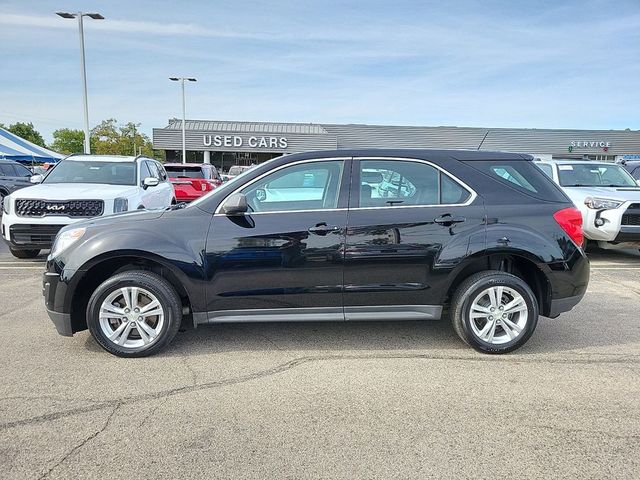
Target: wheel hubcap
x=498 y=315
x=131 y=317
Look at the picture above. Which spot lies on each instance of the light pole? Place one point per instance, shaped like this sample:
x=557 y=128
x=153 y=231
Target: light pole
x=184 y=140
x=83 y=70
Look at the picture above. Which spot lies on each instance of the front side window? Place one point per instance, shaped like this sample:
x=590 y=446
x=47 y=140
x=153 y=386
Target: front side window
x=596 y=175
x=387 y=183
x=306 y=186
x=79 y=171
x=153 y=169
x=22 y=171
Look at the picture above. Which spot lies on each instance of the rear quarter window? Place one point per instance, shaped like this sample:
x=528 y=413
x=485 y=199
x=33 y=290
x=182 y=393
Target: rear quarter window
x=523 y=176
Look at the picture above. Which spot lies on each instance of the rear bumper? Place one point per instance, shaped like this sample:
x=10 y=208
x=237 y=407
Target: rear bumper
x=561 y=305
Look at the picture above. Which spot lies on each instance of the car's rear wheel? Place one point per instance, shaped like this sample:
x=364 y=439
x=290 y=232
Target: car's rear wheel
x=32 y=253
x=494 y=312
x=134 y=314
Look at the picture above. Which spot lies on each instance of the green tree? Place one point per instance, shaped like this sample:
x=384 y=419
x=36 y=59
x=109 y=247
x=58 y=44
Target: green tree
x=26 y=131
x=67 y=141
x=109 y=138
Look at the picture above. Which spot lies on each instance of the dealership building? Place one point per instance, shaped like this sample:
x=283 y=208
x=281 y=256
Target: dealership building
x=226 y=143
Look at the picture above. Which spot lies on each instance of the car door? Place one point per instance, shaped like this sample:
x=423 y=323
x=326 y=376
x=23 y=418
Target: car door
x=166 y=187
x=283 y=259
x=14 y=176
x=153 y=196
x=409 y=224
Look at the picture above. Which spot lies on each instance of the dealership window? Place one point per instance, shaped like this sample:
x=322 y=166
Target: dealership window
x=388 y=183
x=306 y=186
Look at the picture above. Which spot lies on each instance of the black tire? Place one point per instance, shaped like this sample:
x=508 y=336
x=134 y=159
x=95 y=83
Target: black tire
x=472 y=287
x=33 y=253
x=158 y=286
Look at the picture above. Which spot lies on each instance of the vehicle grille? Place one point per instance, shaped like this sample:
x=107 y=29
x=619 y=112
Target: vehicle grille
x=34 y=234
x=67 y=208
x=632 y=215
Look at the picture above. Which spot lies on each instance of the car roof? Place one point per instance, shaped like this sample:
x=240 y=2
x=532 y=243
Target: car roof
x=419 y=153
x=186 y=164
x=576 y=162
x=103 y=158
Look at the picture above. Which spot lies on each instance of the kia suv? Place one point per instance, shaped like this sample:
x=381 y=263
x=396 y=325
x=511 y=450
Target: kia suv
x=483 y=238
x=80 y=187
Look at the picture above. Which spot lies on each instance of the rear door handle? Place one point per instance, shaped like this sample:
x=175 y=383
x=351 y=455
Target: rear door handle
x=448 y=220
x=323 y=229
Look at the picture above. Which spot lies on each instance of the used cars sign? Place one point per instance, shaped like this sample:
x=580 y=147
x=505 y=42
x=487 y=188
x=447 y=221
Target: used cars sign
x=237 y=141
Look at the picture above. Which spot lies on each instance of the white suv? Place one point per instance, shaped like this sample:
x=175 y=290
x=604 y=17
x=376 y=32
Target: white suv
x=606 y=194
x=80 y=187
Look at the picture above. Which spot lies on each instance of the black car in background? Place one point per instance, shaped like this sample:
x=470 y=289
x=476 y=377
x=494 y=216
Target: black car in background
x=13 y=176
x=484 y=238
x=633 y=167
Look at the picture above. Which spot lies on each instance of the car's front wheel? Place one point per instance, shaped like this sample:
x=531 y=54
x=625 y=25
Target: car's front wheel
x=32 y=253
x=494 y=312
x=134 y=314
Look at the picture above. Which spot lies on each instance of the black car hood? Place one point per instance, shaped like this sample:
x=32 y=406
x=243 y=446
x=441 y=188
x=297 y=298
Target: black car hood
x=118 y=218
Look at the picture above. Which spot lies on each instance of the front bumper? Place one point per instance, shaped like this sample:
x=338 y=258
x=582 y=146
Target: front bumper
x=54 y=292
x=620 y=224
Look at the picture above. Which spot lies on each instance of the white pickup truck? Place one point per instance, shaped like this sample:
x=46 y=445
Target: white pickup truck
x=80 y=187
x=606 y=194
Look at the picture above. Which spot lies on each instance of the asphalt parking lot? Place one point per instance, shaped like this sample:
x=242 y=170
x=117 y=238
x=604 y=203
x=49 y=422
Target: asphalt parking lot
x=355 y=400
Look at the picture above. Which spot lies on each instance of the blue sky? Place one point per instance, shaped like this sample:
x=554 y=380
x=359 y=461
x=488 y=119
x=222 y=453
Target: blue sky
x=540 y=64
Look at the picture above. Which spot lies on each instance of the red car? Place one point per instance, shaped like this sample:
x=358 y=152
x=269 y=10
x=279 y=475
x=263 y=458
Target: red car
x=191 y=181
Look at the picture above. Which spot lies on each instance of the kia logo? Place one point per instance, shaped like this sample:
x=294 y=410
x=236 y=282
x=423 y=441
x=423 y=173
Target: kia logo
x=55 y=208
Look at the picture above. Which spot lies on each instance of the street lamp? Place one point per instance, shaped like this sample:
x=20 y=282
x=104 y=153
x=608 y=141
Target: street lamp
x=79 y=15
x=184 y=141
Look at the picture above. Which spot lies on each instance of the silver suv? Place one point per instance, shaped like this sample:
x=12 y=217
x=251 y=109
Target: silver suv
x=607 y=196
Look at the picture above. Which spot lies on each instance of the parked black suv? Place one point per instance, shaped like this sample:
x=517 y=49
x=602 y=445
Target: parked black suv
x=483 y=236
x=13 y=176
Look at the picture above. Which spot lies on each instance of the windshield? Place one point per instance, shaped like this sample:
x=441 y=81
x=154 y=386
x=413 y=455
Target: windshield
x=594 y=175
x=78 y=171
x=184 y=172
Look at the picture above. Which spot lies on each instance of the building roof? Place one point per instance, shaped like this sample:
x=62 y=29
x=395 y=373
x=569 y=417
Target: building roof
x=247 y=127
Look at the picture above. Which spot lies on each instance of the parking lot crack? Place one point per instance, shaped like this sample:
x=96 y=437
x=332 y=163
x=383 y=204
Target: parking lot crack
x=296 y=362
x=82 y=443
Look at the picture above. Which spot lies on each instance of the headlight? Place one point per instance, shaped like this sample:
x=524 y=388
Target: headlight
x=601 y=203
x=120 y=205
x=65 y=239
x=6 y=205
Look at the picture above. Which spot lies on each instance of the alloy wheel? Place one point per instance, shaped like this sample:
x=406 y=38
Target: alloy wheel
x=498 y=315
x=131 y=317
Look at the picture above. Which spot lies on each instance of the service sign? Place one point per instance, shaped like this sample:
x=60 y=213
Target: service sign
x=236 y=141
x=590 y=144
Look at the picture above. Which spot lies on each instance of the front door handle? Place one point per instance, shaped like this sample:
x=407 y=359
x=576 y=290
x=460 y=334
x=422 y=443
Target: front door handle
x=448 y=220
x=323 y=229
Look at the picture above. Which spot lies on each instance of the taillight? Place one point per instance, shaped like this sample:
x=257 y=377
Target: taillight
x=570 y=220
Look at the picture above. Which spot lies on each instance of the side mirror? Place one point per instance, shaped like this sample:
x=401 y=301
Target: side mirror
x=36 y=178
x=150 y=182
x=236 y=204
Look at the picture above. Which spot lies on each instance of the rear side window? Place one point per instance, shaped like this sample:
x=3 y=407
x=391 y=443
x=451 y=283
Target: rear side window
x=546 y=168
x=522 y=176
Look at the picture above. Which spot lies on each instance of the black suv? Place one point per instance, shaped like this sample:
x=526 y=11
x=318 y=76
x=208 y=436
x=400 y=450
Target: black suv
x=483 y=237
x=12 y=177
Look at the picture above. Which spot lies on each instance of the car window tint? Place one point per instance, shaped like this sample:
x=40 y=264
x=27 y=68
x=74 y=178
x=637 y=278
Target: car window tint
x=144 y=171
x=307 y=186
x=451 y=192
x=386 y=183
x=162 y=171
x=186 y=171
x=521 y=175
x=22 y=171
x=6 y=170
x=153 y=169
x=636 y=173
x=546 y=169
